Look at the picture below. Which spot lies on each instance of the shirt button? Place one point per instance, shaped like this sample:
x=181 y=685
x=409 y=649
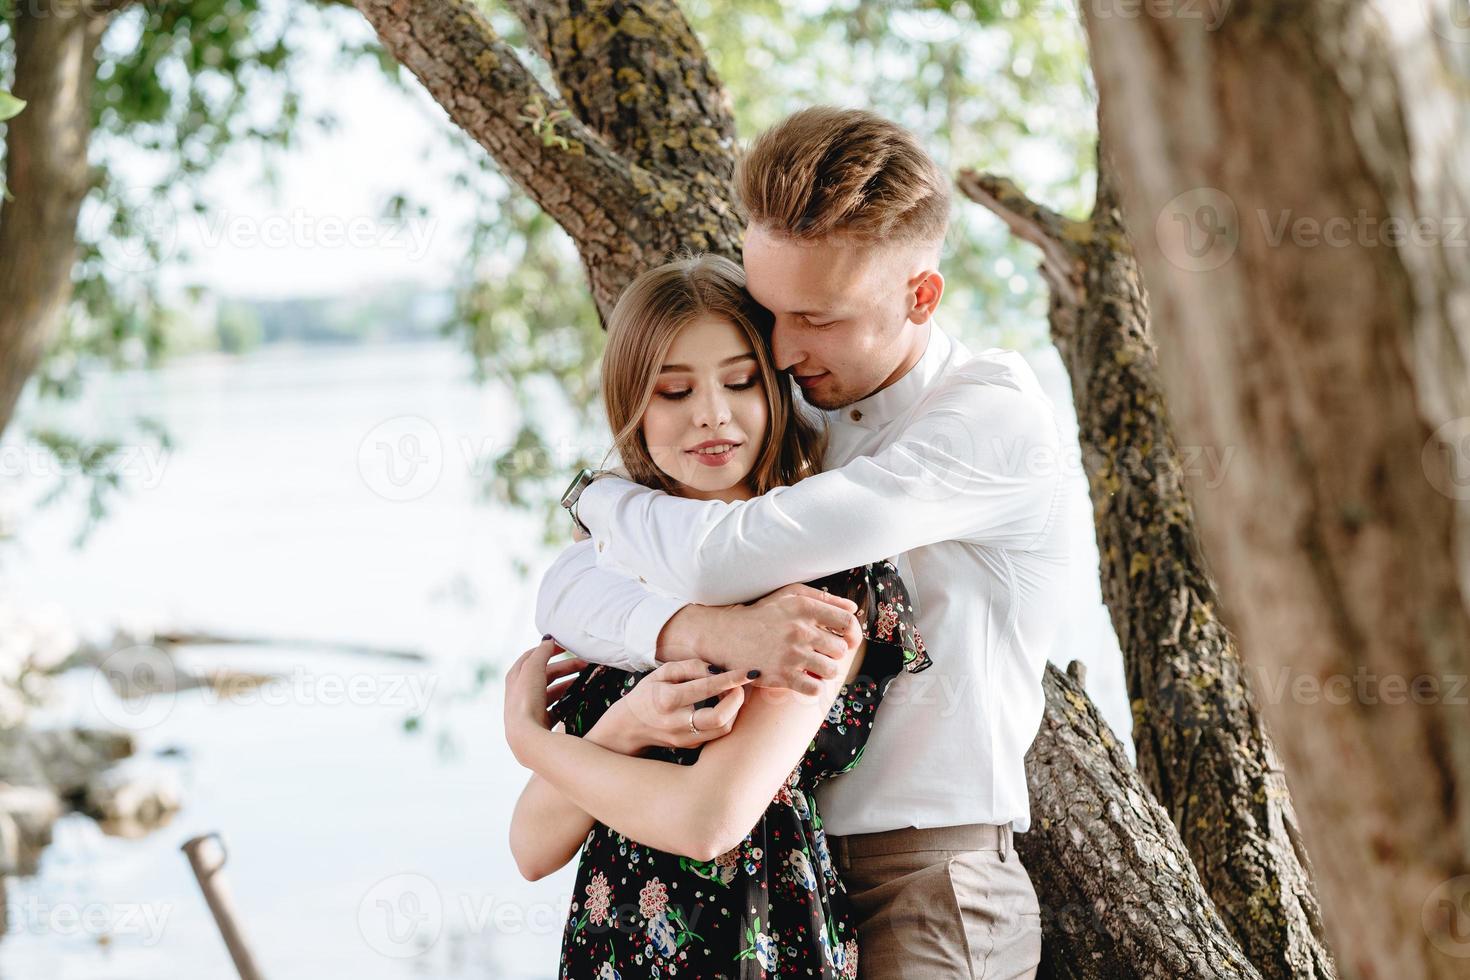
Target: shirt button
x=857 y=416
x=600 y=544
x=643 y=580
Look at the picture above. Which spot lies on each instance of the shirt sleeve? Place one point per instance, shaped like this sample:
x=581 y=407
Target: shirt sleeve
x=599 y=614
x=980 y=464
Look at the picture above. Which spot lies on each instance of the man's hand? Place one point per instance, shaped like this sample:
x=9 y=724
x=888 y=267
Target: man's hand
x=796 y=637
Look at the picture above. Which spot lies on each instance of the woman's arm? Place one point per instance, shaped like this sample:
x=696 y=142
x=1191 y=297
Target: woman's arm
x=701 y=810
x=547 y=828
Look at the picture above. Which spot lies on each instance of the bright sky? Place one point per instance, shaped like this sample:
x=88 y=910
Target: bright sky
x=321 y=229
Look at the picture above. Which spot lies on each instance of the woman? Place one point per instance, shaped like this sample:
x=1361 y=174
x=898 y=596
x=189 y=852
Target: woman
x=702 y=851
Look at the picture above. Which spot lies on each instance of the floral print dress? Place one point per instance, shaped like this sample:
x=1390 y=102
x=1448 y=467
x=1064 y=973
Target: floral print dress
x=772 y=906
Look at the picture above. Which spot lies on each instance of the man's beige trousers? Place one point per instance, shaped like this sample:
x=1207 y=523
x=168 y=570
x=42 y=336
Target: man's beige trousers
x=945 y=903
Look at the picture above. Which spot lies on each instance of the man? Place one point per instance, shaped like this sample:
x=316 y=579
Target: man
x=943 y=460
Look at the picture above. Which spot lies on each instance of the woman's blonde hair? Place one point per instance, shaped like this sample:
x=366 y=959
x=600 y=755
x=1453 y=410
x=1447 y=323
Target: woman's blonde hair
x=648 y=316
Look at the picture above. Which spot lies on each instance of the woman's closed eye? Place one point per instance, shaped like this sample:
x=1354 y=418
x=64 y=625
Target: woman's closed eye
x=681 y=393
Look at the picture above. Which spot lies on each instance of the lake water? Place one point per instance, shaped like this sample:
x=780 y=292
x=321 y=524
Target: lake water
x=323 y=495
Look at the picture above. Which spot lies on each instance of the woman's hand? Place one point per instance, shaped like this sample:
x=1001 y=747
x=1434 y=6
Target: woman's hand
x=658 y=711
x=532 y=683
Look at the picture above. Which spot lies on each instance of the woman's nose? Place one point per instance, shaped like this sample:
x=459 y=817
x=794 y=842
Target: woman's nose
x=712 y=409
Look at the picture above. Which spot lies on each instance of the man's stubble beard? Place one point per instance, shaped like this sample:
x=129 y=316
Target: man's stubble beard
x=832 y=404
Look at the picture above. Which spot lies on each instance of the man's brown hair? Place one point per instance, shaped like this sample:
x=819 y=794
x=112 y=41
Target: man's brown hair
x=825 y=171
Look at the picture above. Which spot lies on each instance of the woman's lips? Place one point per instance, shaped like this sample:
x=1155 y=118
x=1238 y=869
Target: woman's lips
x=714 y=459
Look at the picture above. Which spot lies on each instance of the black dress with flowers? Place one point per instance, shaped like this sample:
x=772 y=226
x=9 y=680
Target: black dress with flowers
x=772 y=906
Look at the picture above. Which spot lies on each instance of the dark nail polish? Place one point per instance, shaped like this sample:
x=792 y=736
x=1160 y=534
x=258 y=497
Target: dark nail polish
x=752 y=674
x=716 y=670
x=707 y=702
x=545 y=636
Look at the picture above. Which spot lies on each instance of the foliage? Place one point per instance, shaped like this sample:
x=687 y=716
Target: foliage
x=995 y=84
x=178 y=86
x=96 y=463
x=10 y=107
x=992 y=84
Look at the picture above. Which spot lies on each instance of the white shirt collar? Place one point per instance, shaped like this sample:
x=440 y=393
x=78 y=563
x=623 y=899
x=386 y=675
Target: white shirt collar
x=886 y=404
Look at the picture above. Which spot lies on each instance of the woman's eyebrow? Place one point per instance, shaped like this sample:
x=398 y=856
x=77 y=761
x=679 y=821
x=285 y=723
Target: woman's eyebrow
x=747 y=356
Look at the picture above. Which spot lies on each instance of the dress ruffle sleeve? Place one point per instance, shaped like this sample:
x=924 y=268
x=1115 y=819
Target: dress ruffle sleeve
x=887 y=615
x=596 y=689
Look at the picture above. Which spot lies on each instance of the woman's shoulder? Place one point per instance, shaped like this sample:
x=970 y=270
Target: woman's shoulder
x=884 y=611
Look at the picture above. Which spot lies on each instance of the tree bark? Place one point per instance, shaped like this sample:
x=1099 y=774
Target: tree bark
x=1202 y=747
x=626 y=213
x=1146 y=914
x=47 y=177
x=1266 y=158
x=1119 y=895
x=636 y=74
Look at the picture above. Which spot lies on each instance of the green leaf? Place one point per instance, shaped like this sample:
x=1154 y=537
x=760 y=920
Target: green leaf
x=10 y=106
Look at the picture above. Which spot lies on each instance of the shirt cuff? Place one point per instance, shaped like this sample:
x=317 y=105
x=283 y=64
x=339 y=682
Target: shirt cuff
x=598 y=499
x=645 y=623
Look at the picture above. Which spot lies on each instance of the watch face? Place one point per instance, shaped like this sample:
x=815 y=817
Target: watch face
x=574 y=489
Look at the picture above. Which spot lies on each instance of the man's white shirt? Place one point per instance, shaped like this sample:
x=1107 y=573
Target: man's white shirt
x=955 y=473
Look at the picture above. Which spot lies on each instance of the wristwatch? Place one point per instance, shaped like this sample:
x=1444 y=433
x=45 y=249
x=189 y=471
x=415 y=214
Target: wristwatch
x=574 y=493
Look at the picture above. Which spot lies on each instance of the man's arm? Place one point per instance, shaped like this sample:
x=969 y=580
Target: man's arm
x=982 y=465
x=601 y=615
x=793 y=636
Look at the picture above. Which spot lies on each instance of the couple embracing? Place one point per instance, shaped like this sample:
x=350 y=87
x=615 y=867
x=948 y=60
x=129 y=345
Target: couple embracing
x=809 y=613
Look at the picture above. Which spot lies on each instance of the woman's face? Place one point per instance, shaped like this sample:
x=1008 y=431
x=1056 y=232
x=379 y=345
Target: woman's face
x=706 y=421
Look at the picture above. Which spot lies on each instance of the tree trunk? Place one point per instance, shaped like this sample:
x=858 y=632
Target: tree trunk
x=1119 y=896
x=46 y=173
x=1267 y=167
x=1202 y=747
x=626 y=213
x=1146 y=913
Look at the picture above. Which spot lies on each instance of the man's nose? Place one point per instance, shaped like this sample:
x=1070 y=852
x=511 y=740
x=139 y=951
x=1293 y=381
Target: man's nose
x=784 y=350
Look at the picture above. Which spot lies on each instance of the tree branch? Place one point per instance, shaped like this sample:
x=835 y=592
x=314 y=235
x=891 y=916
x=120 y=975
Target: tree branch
x=1202 y=746
x=636 y=74
x=1119 y=895
x=1057 y=236
x=488 y=91
x=624 y=215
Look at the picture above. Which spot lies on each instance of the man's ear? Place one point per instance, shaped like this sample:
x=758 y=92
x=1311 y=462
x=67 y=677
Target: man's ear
x=926 y=288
